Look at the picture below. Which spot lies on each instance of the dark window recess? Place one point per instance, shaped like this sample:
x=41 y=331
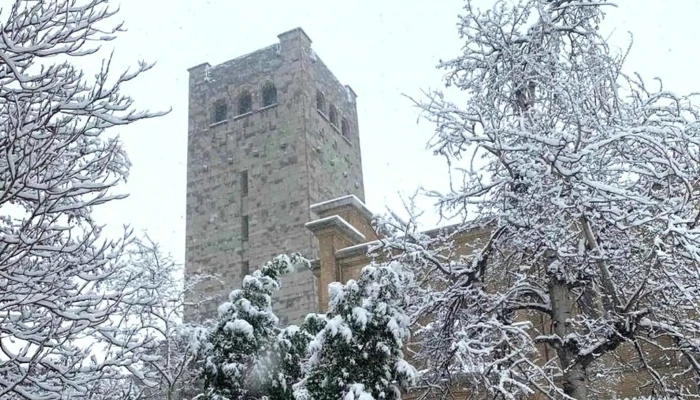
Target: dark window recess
x=269 y=94
x=245 y=269
x=333 y=115
x=244 y=183
x=244 y=228
x=345 y=129
x=219 y=113
x=320 y=102
x=245 y=103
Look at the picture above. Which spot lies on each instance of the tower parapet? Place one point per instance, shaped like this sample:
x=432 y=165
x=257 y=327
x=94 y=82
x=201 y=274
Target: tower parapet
x=262 y=149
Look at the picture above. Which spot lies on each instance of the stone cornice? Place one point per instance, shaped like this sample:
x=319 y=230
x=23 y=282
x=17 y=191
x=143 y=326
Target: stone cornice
x=349 y=200
x=336 y=221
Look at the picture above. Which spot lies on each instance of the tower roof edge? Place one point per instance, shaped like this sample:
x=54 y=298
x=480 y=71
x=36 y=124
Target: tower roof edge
x=291 y=32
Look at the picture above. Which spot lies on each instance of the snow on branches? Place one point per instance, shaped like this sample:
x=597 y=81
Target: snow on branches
x=61 y=331
x=584 y=183
x=242 y=345
x=358 y=354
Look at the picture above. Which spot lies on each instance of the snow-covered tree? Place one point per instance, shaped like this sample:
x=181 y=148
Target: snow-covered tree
x=585 y=180
x=240 y=347
x=359 y=352
x=61 y=311
x=290 y=352
x=175 y=357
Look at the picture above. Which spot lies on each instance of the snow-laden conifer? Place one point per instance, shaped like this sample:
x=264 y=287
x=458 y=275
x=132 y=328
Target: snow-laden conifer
x=237 y=364
x=359 y=352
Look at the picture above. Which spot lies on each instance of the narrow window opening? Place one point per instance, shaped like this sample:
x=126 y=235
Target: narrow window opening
x=220 y=111
x=333 y=115
x=269 y=94
x=345 y=128
x=244 y=183
x=320 y=102
x=245 y=103
x=244 y=228
x=245 y=269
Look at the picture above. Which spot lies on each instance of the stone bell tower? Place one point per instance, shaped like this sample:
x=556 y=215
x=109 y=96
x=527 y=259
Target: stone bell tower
x=270 y=133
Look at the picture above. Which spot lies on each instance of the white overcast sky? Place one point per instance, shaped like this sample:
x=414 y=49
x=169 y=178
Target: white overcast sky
x=382 y=48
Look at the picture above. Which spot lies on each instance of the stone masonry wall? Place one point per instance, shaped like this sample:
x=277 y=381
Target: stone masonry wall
x=333 y=155
x=271 y=144
x=341 y=261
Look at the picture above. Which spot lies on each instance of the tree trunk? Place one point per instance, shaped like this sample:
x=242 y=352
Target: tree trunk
x=574 y=383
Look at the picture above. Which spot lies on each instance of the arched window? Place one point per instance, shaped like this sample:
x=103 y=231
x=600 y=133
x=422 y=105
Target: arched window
x=345 y=128
x=220 y=111
x=269 y=94
x=245 y=103
x=333 y=115
x=320 y=102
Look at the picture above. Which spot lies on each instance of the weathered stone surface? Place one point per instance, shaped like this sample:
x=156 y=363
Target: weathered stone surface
x=341 y=258
x=293 y=157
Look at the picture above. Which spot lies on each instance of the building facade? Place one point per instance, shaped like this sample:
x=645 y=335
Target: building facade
x=343 y=228
x=270 y=133
x=274 y=167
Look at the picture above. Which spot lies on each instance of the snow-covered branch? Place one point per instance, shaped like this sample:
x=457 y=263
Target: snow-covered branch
x=67 y=294
x=583 y=181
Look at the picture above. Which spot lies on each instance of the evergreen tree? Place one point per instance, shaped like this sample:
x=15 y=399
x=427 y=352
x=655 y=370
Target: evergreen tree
x=240 y=347
x=358 y=352
x=289 y=355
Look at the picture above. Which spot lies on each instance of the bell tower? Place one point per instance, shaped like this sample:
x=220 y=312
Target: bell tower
x=270 y=133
